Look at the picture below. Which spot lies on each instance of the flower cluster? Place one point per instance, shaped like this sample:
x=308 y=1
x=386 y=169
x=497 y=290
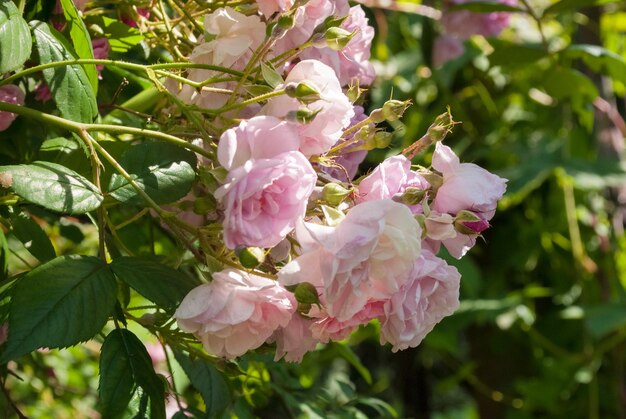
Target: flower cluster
x=326 y=252
x=460 y=25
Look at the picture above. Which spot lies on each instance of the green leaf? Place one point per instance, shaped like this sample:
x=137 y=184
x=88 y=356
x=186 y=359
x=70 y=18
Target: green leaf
x=66 y=152
x=70 y=85
x=208 y=381
x=81 y=41
x=558 y=82
x=573 y=5
x=158 y=283
x=164 y=171
x=486 y=7
x=509 y=54
x=599 y=59
x=121 y=36
x=52 y=186
x=348 y=354
x=4 y=255
x=34 y=239
x=117 y=383
x=270 y=75
x=58 y=304
x=606 y=318
x=15 y=38
x=124 y=363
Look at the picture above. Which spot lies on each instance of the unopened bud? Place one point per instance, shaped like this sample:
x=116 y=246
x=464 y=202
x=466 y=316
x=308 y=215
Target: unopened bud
x=334 y=193
x=434 y=179
x=394 y=109
x=286 y=22
x=251 y=257
x=440 y=127
x=338 y=38
x=377 y=116
x=413 y=195
x=302 y=115
x=329 y=22
x=382 y=139
x=467 y=222
x=306 y=293
x=302 y=91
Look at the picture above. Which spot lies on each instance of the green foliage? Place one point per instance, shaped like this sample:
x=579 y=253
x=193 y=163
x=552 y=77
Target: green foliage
x=165 y=172
x=34 y=239
x=58 y=304
x=70 y=85
x=208 y=381
x=52 y=186
x=14 y=38
x=161 y=284
x=81 y=41
x=125 y=364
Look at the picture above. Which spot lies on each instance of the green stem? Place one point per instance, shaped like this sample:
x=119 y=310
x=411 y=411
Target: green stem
x=122 y=64
x=245 y=103
x=115 y=129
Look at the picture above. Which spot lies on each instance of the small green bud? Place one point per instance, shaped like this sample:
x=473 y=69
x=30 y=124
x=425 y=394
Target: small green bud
x=440 y=127
x=466 y=222
x=434 y=179
x=413 y=195
x=334 y=193
x=251 y=257
x=382 y=139
x=306 y=293
x=377 y=116
x=394 y=109
x=338 y=38
x=302 y=116
x=286 y=22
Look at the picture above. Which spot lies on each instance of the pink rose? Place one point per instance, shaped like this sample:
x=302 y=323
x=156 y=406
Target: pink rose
x=307 y=18
x=446 y=48
x=235 y=313
x=264 y=198
x=331 y=329
x=462 y=24
x=100 y=52
x=367 y=257
x=235 y=37
x=294 y=340
x=269 y=7
x=389 y=179
x=334 y=110
x=466 y=186
x=431 y=294
x=9 y=93
x=261 y=137
x=352 y=62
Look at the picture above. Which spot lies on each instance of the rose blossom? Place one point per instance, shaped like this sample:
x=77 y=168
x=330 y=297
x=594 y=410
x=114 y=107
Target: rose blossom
x=446 y=48
x=330 y=328
x=269 y=7
x=306 y=19
x=466 y=186
x=367 y=257
x=294 y=340
x=264 y=198
x=334 y=110
x=234 y=313
x=389 y=179
x=9 y=93
x=352 y=62
x=462 y=24
x=260 y=137
x=236 y=36
x=431 y=294
x=100 y=52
